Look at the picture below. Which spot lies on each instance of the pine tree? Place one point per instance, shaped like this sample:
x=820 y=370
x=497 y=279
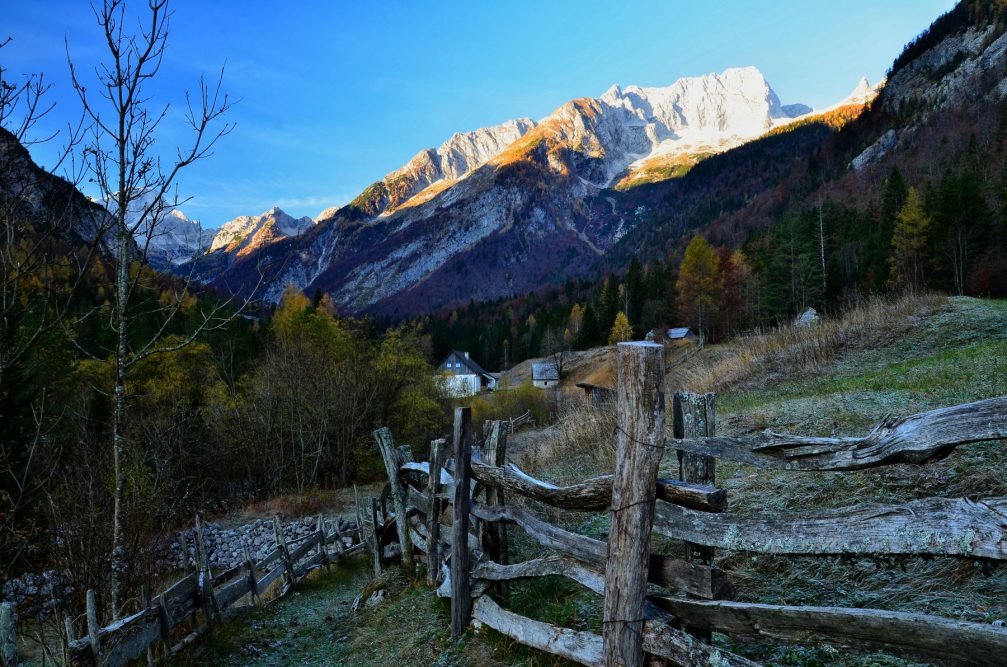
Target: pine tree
x=621 y=330
x=699 y=283
x=909 y=242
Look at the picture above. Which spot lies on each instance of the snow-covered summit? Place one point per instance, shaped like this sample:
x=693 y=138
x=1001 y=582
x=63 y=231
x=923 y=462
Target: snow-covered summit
x=251 y=231
x=168 y=235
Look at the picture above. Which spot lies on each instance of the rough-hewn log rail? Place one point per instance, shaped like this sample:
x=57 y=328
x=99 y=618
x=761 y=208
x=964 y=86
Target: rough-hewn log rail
x=937 y=526
x=659 y=639
x=595 y=493
x=674 y=574
x=918 y=439
x=930 y=638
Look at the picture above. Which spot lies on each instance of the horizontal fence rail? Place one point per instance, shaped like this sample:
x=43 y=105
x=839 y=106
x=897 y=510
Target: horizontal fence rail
x=918 y=439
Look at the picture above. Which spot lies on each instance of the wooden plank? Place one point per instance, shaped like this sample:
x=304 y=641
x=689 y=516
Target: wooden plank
x=232 y=592
x=582 y=647
x=639 y=446
x=180 y=598
x=461 y=601
x=918 y=439
x=272 y=575
x=281 y=544
x=595 y=493
x=930 y=638
x=938 y=526
x=674 y=574
x=390 y=455
x=433 y=504
x=306 y=545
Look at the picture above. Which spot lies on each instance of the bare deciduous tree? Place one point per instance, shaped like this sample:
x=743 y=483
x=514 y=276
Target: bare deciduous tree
x=140 y=186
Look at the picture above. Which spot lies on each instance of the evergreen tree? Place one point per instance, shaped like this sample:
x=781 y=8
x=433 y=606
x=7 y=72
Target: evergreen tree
x=634 y=293
x=589 y=330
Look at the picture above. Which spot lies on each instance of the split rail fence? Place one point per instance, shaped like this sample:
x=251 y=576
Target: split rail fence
x=195 y=603
x=457 y=513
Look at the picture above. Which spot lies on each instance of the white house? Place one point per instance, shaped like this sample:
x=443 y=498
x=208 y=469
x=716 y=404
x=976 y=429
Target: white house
x=459 y=375
x=544 y=375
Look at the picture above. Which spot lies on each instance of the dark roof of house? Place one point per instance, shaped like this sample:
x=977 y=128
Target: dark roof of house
x=467 y=361
x=544 y=371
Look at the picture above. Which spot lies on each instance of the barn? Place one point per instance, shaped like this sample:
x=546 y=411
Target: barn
x=544 y=375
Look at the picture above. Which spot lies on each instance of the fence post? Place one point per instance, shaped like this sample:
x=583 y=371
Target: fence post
x=493 y=536
x=376 y=533
x=391 y=457
x=461 y=594
x=281 y=542
x=205 y=577
x=8 y=638
x=695 y=417
x=165 y=623
x=639 y=446
x=93 y=628
x=253 y=585
x=437 y=451
x=322 y=546
x=69 y=631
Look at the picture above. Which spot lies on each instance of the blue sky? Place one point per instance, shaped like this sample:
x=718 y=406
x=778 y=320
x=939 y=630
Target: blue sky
x=332 y=95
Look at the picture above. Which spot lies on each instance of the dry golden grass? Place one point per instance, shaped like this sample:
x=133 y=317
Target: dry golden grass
x=791 y=350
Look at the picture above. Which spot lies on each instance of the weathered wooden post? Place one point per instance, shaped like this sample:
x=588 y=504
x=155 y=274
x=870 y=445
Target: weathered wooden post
x=392 y=461
x=695 y=417
x=437 y=452
x=461 y=593
x=70 y=633
x=281 y=543
x=376 y=533
x=639 y=446
x=8 y=637
x=211 y=609
x=253 y=584
x=323 y=552
x=493 y=536
x=165 y=623
x=93 y=627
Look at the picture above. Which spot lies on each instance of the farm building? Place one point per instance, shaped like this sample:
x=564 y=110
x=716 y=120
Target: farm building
x=459 y=375
x=680 y=333
x=544 y=375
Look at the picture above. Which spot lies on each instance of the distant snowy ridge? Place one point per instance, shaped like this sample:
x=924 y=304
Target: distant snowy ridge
x=247 y=232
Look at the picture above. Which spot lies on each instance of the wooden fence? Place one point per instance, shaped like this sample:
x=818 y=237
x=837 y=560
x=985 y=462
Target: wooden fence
x=193 y=604
x=468 y=558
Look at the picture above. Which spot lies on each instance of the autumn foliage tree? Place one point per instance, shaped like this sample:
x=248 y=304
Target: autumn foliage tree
x=621 y=331
x=909 y=242
x=700 y=283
